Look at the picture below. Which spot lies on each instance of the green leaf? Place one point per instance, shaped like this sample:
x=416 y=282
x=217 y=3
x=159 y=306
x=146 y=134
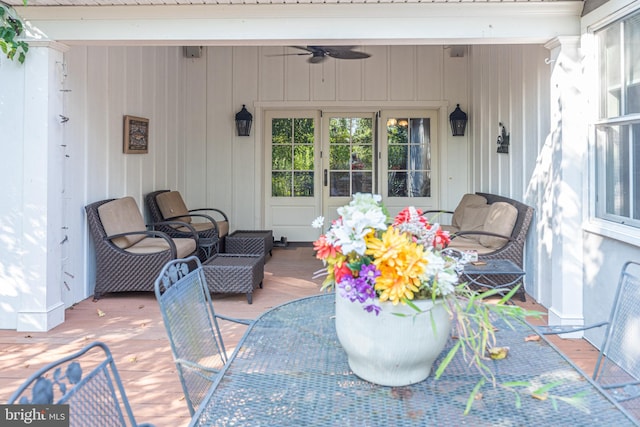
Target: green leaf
x=517 y=384
x=449 y=357
x=545 y=388
x=472 y=396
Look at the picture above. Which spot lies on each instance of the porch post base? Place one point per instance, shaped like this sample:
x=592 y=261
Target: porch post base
x=556 y=318
x=40 y=321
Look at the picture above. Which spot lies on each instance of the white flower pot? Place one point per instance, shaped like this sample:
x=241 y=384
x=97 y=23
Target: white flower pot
x=391 y=350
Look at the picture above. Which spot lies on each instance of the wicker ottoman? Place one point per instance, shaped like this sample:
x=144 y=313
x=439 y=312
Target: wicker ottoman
x=230 y=273
x=255 y=242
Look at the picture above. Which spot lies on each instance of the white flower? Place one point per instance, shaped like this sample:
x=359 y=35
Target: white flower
x=357 y=219
x=318 y=222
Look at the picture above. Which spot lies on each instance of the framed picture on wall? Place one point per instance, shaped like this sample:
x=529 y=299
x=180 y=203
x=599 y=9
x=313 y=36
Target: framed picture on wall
x=136 y=135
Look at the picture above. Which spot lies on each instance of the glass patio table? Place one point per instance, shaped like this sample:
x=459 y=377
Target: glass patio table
x=290 y=370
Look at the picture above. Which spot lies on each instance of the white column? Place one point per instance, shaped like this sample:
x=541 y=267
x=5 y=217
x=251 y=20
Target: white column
x=30 y=266
x=565 y=188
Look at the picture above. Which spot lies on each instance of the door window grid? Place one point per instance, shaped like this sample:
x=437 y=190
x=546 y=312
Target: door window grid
x=292 y=157
x=350 y=156
x=409 y=157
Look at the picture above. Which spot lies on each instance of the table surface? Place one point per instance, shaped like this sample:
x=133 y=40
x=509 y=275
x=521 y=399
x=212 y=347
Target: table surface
x=290 y=370
x=494 y=266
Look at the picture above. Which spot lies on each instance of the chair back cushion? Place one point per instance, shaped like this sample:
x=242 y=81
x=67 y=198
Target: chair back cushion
x=466 y=201
x=171 y=205
x=501 y=218
x=474 y=219
x=122 y=216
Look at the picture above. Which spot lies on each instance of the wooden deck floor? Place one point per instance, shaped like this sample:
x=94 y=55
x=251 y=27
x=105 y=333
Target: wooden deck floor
x=132 y=327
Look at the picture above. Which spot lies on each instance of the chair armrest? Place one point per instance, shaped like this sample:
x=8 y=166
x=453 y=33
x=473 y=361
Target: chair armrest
x=566 y=329
x=480 y=233
x=209 y=218
x=224 y=215
x=437 y=211
x=192 y=230
x=148 y=233
x=235 y=319
x=200 y=370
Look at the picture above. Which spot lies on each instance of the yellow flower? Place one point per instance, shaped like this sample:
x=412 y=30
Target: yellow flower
x=401 y=263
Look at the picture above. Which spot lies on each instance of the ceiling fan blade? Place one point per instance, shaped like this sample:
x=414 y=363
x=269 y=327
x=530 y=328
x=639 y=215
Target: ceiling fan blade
x=316 y=59
x=344 y=52
x=308 y=49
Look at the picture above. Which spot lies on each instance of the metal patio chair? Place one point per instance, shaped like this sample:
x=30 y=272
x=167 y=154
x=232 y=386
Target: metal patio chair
x=192 y=326
x=88 y=382
x=618 y=366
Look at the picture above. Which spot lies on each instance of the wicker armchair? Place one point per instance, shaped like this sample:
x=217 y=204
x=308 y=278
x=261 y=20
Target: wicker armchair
x=508 y=246
x=128 y=256
x=165 y=205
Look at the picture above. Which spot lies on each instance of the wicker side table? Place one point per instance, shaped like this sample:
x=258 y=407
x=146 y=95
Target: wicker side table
x=256 y=242
x=231 y=273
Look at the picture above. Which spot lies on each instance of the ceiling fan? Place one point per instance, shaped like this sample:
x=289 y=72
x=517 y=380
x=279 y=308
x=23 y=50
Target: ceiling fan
x=321 y=53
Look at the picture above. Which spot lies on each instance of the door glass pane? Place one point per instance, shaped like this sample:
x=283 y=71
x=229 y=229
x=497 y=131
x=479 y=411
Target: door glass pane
x=409 y=157
x=292 y=157
x=350 y=155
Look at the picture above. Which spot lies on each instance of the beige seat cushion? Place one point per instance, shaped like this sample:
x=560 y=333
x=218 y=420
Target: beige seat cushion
x=463 y=243
x=149 y=245
x=466 y=201
x=171 y=205
x=122 y=216
x=500 y=220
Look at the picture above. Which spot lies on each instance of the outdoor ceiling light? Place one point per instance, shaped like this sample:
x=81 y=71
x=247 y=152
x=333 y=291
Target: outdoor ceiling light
x=458 y=120
x=243 y=122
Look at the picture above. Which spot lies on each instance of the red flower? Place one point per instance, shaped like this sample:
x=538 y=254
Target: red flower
x=441 y=239
x=342 y=271
x=405 y=216
x=324 y=249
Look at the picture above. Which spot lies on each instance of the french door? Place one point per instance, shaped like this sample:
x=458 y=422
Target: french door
x=315 y=162
x=349 y=161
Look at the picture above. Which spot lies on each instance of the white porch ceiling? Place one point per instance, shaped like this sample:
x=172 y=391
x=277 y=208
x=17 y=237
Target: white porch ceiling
x=287 y=22
x=222 y=2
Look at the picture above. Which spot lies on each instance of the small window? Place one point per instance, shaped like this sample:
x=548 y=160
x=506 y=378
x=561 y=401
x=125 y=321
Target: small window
x=617 y=155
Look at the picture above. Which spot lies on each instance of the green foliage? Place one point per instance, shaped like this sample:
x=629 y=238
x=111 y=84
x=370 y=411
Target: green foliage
x=11 y=28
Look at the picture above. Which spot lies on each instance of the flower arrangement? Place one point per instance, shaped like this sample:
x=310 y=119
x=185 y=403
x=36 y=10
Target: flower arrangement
x=370 y=258
x=369 y=261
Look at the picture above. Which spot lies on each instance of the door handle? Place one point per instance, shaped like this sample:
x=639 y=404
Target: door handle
x=325 y=177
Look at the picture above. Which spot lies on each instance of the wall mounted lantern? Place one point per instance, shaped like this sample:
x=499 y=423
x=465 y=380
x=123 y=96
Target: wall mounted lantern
x=243 y=122
x=458 y=120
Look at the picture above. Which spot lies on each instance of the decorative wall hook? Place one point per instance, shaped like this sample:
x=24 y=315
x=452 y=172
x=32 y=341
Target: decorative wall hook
x=503 y=139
